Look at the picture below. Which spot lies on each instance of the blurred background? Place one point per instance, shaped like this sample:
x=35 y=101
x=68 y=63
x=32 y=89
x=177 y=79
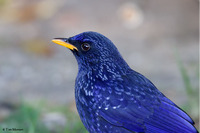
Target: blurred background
x=158 y=38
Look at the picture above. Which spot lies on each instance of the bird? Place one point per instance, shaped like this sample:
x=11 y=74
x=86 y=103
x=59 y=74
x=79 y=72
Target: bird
x=113 y=98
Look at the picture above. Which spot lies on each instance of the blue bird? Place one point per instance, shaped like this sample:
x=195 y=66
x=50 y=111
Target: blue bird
x=113 y=98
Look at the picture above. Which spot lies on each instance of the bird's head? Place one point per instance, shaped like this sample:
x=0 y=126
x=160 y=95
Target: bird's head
x=91 y=49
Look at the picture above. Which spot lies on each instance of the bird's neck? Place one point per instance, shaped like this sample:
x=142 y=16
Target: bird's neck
x=106 y=69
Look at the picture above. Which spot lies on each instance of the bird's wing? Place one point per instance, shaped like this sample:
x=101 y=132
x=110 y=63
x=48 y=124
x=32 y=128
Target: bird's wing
x=136 y=104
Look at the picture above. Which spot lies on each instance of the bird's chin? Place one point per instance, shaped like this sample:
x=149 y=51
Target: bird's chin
x=75 y=52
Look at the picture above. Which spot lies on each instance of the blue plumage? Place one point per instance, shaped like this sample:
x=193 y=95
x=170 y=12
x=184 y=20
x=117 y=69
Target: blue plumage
x=113 y=98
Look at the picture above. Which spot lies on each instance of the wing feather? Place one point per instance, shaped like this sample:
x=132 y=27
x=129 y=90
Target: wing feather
x=145 y=109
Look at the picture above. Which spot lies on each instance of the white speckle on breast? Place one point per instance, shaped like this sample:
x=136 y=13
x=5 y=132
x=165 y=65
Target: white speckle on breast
x=107 y=98
x=98 y=124
x=121 y=99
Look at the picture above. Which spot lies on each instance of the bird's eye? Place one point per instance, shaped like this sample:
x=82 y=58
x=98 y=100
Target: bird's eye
x=85 y=46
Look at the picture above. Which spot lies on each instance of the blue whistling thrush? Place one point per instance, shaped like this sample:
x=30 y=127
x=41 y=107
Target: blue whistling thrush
x=113 y=98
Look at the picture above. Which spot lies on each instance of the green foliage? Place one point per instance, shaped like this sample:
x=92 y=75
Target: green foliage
x=28 y=118
x=192 y=92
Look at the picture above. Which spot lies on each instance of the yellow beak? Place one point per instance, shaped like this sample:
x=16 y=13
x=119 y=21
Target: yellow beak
x=65 y=44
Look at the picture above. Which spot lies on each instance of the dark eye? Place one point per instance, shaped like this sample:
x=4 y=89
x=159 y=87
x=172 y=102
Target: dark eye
x=85 y=46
